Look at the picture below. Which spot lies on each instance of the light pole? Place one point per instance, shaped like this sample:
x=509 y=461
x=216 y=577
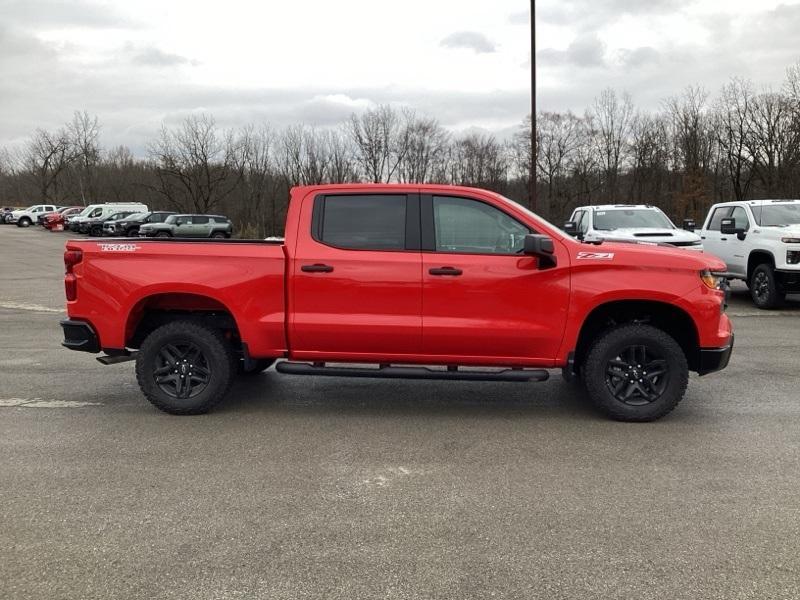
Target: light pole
x=532 y=191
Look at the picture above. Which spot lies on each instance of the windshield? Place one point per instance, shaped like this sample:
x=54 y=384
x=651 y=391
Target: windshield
x=170 y=219
x=635 y=218
x=137 y=216
x=86 y=211
x=777 y=215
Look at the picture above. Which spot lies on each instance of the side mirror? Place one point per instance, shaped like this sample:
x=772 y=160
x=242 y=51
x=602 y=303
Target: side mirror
x=571 y=227
x=728 y=227
x=541 y=247
x=689 y=224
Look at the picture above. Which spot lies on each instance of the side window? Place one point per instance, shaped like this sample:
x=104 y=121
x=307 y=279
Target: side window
x=183 y=220
x=470 y=226
x=719 y=214
x=198 y=220
x=361 y=222
x=157 y=218
x=740 y=216
x=96 y=213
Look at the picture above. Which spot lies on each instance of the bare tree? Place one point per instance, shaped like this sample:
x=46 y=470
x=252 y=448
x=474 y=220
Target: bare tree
x=733 y=121
x=613 y=117
x=381 y=137
x=47 y=157
x=426 y=143
x=84 y=134
x=557 y=137
x=773 y=141
x=197 y=165
x=649 y=149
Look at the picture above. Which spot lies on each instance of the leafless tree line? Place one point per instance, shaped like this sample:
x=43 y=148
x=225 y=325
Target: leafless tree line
x=695 y=150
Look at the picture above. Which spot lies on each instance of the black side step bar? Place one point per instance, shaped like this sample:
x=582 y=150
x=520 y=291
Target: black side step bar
x=390 y=372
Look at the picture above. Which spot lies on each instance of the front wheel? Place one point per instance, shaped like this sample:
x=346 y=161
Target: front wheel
x=24 y=222
x=764 y=288
x=635 y=373
x=163 y=234
x=185 y=368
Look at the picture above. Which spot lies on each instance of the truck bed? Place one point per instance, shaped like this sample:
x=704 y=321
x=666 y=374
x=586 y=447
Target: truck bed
x=119 y=281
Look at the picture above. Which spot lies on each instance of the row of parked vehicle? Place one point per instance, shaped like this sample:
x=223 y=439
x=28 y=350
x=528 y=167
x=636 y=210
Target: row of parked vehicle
x=119 y=219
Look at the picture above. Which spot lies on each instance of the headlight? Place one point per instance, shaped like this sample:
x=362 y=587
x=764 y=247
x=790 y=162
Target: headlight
x=712 y=281
x=790 y=240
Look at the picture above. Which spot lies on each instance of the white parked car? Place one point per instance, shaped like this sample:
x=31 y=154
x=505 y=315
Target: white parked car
x=28 y=216
x=759 y=240
x=630 y=222
x=101 y=211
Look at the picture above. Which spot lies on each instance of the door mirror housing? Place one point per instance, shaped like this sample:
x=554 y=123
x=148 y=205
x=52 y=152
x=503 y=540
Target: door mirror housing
x=571 y=228
x=689 y=224
x=542 y=247
x=728 y=227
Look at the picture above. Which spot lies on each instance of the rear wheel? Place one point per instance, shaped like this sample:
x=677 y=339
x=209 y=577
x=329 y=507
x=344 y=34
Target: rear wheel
x=635 y=373
x=764 y=288
x=132 y=232
x=185 y=368
x=218 y=235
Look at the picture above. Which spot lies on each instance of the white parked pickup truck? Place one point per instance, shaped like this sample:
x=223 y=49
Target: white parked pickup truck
x=630 y=223
x=759 y=240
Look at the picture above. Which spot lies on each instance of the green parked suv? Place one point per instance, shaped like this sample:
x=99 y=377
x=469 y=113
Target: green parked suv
x=192 y=226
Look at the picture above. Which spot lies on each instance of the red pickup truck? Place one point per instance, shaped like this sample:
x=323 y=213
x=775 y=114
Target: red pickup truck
x=404 y=281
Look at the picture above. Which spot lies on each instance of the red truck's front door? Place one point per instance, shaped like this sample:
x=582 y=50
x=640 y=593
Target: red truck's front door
x=356 y=277
x=482 y=298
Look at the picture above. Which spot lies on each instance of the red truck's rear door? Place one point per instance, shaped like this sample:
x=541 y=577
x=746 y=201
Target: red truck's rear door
x=356 y=277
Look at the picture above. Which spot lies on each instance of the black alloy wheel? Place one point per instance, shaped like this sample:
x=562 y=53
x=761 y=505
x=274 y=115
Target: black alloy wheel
x=638 y=375
x=182 y=370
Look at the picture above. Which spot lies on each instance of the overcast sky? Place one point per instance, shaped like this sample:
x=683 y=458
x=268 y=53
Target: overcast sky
x=137 y=63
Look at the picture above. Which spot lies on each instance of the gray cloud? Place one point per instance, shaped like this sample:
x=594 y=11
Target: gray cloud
x=520 y=18
x=56 y=13
x=472 y=40
x=639 y=57
x=154 y=57
x=584 y=51
x=589 y=13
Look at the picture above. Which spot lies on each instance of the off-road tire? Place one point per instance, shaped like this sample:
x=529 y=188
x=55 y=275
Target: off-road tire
x=764 y=288
x=218 y=235
x=608 y=347
x=217 y=354
x=163 y=234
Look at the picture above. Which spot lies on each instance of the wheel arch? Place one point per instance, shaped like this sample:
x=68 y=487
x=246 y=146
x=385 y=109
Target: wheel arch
x=157 y=309
x=665 y=316
x=758 y=257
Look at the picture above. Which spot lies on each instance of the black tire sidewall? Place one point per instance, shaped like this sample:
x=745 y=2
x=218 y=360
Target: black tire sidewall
x=217 y=353
x=774 y=299
x=24 y=222
x=609 y=345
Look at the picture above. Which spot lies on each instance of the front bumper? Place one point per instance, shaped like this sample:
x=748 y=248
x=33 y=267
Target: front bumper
x=715 y=359
x=79 y=335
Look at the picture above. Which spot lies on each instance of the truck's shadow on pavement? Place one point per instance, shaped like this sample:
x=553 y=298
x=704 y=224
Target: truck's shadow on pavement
x=272 y=392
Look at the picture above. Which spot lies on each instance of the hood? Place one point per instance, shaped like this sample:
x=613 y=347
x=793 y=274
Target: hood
x=650 y=234
x=788 y=231
x=647 y=255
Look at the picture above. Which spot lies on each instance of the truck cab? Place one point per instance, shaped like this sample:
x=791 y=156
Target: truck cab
x=759 y=240
x=629 y=222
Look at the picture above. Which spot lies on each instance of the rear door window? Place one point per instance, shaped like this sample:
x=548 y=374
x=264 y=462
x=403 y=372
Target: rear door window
x=361 y=222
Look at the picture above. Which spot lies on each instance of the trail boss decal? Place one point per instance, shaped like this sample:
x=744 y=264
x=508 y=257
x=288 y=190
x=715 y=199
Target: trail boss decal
x=595 y=256
x=119 y=247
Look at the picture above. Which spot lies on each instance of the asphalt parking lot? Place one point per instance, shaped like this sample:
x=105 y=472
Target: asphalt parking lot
x=327 y=488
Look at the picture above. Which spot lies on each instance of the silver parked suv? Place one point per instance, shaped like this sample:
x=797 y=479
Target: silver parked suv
x=191 y=226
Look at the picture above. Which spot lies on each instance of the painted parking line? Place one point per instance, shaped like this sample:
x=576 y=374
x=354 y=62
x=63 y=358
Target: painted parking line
x=45 y=403
x=29 y=307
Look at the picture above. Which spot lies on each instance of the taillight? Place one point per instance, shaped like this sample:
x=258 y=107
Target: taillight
x=71 y=258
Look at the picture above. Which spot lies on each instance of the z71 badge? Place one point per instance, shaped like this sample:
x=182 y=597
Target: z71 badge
x=119 y=247
x=595 y=256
